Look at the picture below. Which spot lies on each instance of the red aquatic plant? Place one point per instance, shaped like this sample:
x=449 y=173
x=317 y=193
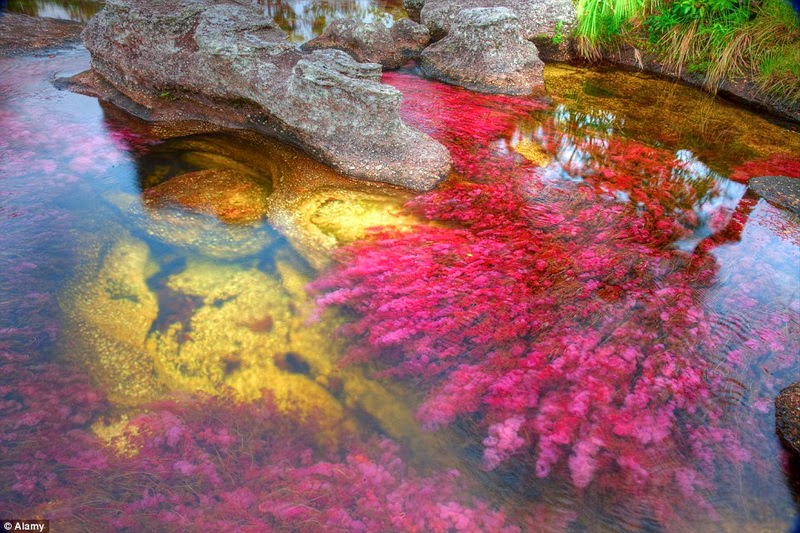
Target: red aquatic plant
x=774 y=165
x=556 y=317
x=218 y=463
x=193 y=464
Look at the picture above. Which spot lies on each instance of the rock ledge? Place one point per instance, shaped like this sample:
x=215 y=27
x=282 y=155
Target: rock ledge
x=225 y=63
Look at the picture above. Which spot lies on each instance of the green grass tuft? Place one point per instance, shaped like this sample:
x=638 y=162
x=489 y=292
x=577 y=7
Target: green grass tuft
x=723 y=39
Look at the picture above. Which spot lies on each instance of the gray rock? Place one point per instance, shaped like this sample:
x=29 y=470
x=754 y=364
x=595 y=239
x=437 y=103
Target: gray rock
x=413 y=8
x=779 y=190
x=373 y=42
x=787 y=415
x=485 y=52
x=225 y=63
x=537 y=17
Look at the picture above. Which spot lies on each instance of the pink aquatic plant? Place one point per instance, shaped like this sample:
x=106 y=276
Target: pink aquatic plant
x=221 y=464
x=556 y=317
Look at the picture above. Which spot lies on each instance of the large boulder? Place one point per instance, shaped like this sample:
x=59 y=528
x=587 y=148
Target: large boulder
x=486 y=52
x=537 y=17
x=373 y=42
x=787 y=413
x=226 y=63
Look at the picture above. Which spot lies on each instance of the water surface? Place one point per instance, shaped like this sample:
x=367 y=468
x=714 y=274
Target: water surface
x=589 y=320
x=302 y=20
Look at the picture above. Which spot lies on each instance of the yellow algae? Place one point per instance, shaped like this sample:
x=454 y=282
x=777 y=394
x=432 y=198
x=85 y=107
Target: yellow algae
x=108 y=311
x=532 y=151
x=319 y=220
x=231 y=197
x=116 y=434
x=664 y=113
x=230 y=343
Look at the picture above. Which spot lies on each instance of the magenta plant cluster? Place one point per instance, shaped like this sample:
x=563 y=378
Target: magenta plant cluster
x=560 y=319
x=191 y=464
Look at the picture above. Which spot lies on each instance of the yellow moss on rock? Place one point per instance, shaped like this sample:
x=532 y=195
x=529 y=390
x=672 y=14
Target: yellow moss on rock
x=532 y=151
x=318 y=220
x=108 y=311
x=228 y=195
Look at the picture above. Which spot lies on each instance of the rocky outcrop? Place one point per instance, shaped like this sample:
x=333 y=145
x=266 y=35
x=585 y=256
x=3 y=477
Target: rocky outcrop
x=227 y=64
x=537 y=17
x=485 y=52
x=778 y=190
x=787 y=414
x=373 y=42
x=21 y=33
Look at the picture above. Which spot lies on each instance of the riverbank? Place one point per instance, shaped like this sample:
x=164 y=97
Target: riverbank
x=22 y=33
x=742 y=91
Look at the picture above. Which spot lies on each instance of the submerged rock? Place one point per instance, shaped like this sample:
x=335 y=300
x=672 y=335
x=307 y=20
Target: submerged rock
x=108 y=310
x=787 y=414
x=373 y=42
x=485 y=51
x=227 y=195
x=778 y=190
x=225 y=63
x=537 y=18
x=200 y=233
x=326 y=216
x=215 y=328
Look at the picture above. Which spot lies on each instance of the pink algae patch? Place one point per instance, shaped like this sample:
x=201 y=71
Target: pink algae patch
x=775 y=165
x=562 y=322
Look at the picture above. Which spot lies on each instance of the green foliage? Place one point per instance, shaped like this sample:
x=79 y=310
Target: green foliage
x=779 y=73
x=600 y=21
x=723 y=39
x=558 y=35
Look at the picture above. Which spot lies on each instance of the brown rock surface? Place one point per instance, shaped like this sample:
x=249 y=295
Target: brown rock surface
x=779 y=190
x=21 y=33
x=787 y=415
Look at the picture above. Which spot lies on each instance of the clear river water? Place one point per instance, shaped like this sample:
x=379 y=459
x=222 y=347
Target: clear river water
x=583 y=328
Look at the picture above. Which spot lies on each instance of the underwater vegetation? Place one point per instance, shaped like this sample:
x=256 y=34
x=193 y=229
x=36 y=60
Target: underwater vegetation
x=70 y=453
x=566 y=310
x=558 y=315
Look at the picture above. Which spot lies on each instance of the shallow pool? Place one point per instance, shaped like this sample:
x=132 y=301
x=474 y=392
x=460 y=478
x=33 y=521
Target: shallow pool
x=584 y=327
